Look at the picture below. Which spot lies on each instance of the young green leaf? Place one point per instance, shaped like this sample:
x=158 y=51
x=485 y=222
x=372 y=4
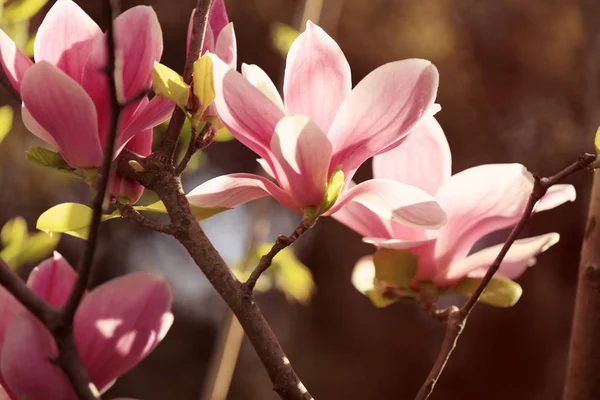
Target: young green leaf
x=6 y=121
x=70 y=218
x=169 y=84
x=333 y=190
x=500 y=292
x=204 y=87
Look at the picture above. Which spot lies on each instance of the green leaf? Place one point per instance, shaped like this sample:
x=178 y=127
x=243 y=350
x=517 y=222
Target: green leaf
x=20 y=10
x=597 y=141
x=14 y=231
x=20 y=247
x=71 y=218
x=333 y=190
x=199 y=212
x=500 y=292
x=379 y=300
x=6 y=121
x=169 y=84
x=395 y=268
x=223 y=135
x=204 y=87
x=282 y=37
x=51 y=159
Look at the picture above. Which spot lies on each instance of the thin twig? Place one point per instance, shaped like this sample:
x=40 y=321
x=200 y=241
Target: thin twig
x=199 y=24
x=281 y=243
x=197 y=142
x=457 y=317
x=127 y=211
x=111 y=9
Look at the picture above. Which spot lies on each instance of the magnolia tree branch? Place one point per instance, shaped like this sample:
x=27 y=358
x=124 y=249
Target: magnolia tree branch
x=457 y=316
x=127 y=211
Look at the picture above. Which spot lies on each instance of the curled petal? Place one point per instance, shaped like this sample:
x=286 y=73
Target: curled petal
x=53 y=279
x=395 y=201
x=120 y=323
x=396 y=244
x=381 y=110
x=14 y=62
x=303 y=152
x=25 y=362
x=248 y=114
x=555 y=196
x=9 y=309
x=480 y=200
x=229 y=191
x=63 y=109
x=66 y=38
x=520 y=256
x=317 y=76
x=362 y=220
x=422 y=160
x=226 y=46
x=259 y=79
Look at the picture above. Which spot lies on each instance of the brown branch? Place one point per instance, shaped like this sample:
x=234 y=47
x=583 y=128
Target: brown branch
x=281 y=243
x=582 y=381
x=200 y=20
x=457 y=317
x=197 y=142
x=127 y=211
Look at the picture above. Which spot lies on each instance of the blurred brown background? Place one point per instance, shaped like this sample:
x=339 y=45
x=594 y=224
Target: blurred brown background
x=518 y=83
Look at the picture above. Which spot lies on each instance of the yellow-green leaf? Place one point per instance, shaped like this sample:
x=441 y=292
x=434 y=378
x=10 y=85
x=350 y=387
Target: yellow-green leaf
x=395 y=268
x=199 y=212
x=20 y=10
x=500 y=292
x=204 y=87
x=379 y=300
x=14 y=231
x=597 y=141
x=169 y=84
x=223 y=135
x=6 y=121
x=282 y=37
x=70 y=218
x=333 y=190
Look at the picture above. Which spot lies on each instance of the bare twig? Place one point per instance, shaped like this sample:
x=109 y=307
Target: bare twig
x=197 y=142
x=281 y=243
x=457 y=317
x=200 y=21
x=127 y=211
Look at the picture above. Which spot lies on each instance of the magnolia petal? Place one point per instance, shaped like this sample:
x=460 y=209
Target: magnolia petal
x=259 y=79
x=248 y=114
x=396 y=244
x=25 y=361
x=229 y=191
x=146 y=117
x=422 y=160
x=480 y=200
x=66 y=38
x=123 y=187
x=65 y=111
x=555 y=196
x=226 y=46
x=266 y=167
x=9 y=309
x=317 y=76
x=120 y=323
x=362 y=220
x=520 y=256
x=14 y=62
x=395 y=200
x=218 y=18
x=381 y=110
x=363 y=275
x=303 y=152
x=53 y=279
x=32 y=125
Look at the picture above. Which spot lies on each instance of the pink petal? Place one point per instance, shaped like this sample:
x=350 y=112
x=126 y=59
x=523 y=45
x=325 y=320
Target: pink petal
x=303 y=152
x=65 y=111
x=32 y=125
x=9 y=309
x=248 y=114
x=393 y=200
x=259 y=79
x=147 y=116
x=266 y=167
x=555 y=196
x=4 y=394
x=422 y=160
x=317 y=76
x=66 y=38
x=396 y=244
x=53 y=279
x=14 y=62
x=121 y=186
x=25 y=362
x=520 y=256
x=479 y=201
x=226 y=46
x=381 y=110
x=120 y=322
x=230 y=191
x=218 y=18
x=362 y=220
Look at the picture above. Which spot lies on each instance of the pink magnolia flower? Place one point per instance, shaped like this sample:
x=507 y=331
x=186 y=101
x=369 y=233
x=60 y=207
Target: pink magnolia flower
x=477 y=201
x=115 y=327
x=324 y=125
x=65 y=93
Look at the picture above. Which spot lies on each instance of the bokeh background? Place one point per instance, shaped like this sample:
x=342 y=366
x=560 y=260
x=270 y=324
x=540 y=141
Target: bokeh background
x=518 y=83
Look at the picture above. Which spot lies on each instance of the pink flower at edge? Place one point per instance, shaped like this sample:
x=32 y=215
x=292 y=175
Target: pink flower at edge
x=324 y=124
x=116 y=325
x=477 y=201
x=65 y=93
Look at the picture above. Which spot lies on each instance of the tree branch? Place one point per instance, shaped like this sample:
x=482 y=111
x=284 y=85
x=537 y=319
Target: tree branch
x=197 y=142
x=127 y=211
x=457 y=317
